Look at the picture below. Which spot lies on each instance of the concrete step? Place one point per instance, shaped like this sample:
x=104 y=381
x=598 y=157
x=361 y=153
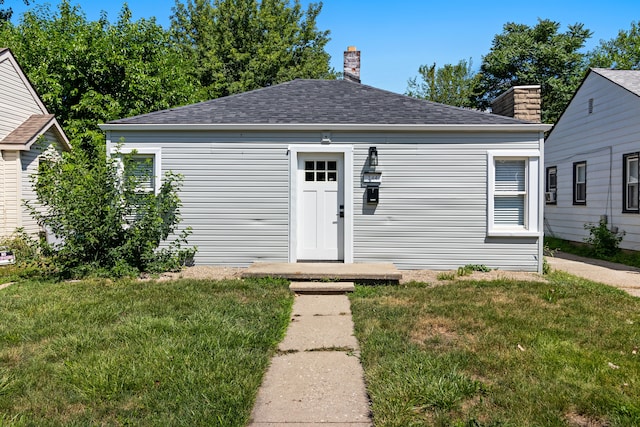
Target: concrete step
x=361 y=273
x=321 y=287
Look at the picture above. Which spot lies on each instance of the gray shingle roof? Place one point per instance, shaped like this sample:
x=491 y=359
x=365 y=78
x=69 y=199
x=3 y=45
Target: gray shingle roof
x=319 y=102
x=628 y=79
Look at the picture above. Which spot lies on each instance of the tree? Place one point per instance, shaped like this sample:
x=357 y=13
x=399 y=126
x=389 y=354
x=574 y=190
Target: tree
x=622 y=52
x=105 y=223
x=451 y=84
x=523 y=55
x=240 y=45
x=90 y=72
x=6 y=14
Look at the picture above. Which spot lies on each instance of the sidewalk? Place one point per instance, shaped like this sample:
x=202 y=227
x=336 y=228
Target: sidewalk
x=618 y=275
x=316 y=378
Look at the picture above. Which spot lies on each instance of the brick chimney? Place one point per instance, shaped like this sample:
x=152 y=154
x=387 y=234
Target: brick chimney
x=352 y=64
x=519 y=102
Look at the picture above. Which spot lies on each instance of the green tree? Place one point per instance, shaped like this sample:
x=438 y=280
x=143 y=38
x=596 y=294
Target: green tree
x=90 y=72
x=105 y=223
x=451 y=84
x=6 y=14
x=523 y=55
x=240 y=45
x=622 y=52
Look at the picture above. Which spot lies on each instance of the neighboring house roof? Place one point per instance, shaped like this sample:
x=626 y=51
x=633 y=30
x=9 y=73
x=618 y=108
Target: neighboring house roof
x=628 y=79
x=25 y=135
x=320 y=103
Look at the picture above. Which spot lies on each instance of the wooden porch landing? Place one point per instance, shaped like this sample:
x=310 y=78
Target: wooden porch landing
x=309 y=271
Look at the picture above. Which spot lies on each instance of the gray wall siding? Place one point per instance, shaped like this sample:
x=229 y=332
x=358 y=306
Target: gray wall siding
x=433 y=206
x=433 y=197
x=601 y=139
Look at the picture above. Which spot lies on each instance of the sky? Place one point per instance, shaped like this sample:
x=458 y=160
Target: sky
x=396 y=37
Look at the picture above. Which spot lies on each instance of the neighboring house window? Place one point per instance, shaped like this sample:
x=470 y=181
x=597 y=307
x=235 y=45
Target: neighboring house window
x=630 y=190
x=580 y=183
x=513 y=203
x=551 y=186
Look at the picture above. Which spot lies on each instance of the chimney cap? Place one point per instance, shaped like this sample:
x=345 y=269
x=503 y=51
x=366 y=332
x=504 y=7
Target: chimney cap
x=351 y=49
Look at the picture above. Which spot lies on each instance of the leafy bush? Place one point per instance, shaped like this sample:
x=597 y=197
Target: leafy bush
x=105 y=224
x=29 y=260
x=603 y=241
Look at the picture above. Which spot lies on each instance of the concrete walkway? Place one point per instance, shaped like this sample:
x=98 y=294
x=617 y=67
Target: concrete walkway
x=316 y=378
x=618 y=275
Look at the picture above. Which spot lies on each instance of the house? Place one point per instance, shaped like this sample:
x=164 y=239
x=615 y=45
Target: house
x=591 y=159
x=333 y=170
x=27 y=130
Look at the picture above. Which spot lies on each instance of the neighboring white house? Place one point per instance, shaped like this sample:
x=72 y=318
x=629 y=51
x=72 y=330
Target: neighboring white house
x=314 y=170
x=26 y=131
x=591 y=159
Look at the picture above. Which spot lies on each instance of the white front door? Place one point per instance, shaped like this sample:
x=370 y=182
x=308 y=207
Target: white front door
x=320 y=210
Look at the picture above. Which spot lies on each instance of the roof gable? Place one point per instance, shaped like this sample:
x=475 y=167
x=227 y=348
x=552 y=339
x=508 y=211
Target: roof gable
x=319 y=102
x=7 y=55
x=627 y=79
x=24 y=112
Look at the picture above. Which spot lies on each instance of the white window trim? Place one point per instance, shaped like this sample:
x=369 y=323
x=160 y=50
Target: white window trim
x=533 y=197
x=156 y=152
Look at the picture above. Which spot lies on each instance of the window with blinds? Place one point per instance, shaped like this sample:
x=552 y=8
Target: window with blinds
x=514 y=193
x=631 y=180
x=580 y=183
x=510 y=192
x=143 y=171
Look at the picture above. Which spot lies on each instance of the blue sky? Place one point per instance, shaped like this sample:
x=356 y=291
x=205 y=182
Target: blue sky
x=396 y=37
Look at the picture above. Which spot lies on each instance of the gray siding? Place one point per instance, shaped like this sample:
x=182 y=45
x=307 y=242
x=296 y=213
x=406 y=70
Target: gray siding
x=433 y=197
x=601 y=139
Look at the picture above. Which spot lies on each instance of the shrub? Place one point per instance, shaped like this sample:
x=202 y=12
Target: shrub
x=603 y=241
x=105 y=224
x=30 y=261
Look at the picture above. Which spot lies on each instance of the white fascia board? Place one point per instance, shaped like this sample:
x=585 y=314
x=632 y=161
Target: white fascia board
x=533 y=127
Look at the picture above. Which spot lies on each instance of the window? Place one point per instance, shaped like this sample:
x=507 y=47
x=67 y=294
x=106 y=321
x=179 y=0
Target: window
x=631 y=189
x=320 y=170
x=147 y=166
x=580 y=183
x=513 y=205
x=551 y=186
x=142 y=168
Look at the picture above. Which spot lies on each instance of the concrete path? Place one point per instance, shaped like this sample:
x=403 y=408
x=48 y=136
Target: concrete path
x=316 y=378
x=618 y=275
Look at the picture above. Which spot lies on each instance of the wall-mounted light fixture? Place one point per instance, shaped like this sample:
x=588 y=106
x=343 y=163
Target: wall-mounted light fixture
x=373 y=156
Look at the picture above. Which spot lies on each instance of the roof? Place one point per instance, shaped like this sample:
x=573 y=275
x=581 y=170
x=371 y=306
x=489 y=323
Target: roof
x=317 y=102
x=25 y=135
x=628 y=79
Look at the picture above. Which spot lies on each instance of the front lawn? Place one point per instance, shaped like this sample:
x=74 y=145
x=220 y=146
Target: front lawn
x=501 y=353
x=182 y=352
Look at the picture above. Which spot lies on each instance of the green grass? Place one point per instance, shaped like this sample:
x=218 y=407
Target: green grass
x=631 y=258
x=501 y=353
x=182 y=352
